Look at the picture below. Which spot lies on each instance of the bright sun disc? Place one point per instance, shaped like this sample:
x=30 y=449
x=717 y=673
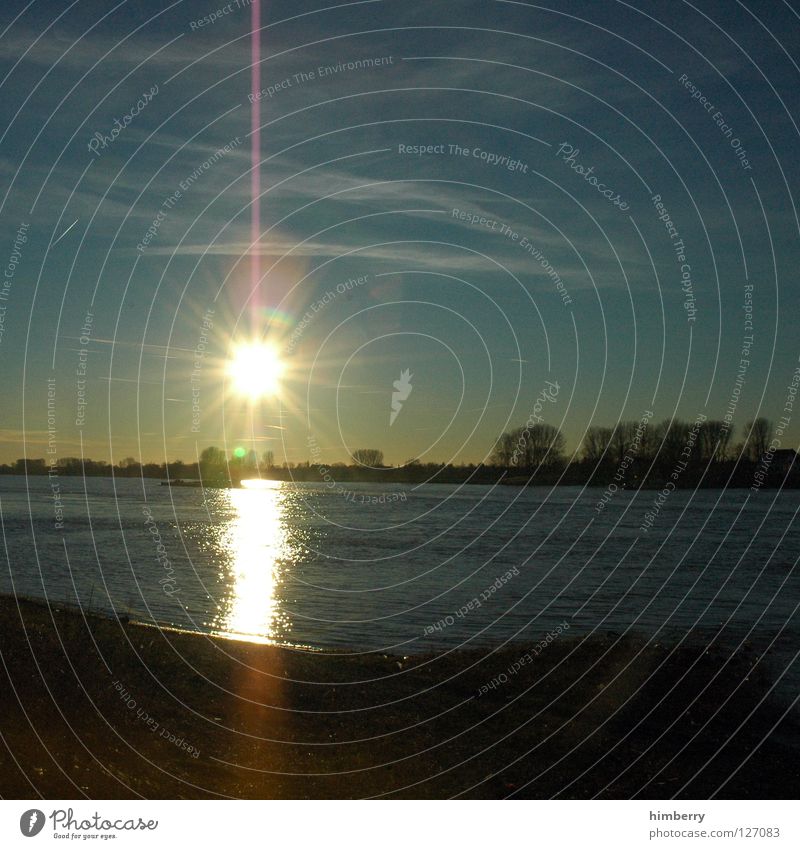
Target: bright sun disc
x=255 y=370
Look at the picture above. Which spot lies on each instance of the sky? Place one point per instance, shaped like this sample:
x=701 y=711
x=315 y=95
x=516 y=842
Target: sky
x=493 y=197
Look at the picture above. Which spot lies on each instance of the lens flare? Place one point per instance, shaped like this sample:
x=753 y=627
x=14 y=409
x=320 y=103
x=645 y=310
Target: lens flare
x=256 y=370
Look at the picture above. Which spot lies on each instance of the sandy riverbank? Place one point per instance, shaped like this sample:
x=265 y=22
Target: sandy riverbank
x=97 y=708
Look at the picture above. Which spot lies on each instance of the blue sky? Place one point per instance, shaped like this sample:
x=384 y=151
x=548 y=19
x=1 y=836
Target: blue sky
x=465 y=307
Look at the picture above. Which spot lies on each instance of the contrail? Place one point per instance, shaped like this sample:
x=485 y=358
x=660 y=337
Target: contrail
x=65 y=232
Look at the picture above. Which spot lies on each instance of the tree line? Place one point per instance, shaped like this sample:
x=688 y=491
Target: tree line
x=544 y=444
x=631 y=452
x=641 y=449
x=214 y=465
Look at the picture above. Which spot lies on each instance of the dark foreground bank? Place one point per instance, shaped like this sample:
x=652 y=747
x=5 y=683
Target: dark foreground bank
x=97 y=708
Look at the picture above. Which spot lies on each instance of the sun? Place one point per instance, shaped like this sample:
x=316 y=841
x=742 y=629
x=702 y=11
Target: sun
x=256 y=370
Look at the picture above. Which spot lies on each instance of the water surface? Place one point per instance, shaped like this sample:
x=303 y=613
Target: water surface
x=388 y=568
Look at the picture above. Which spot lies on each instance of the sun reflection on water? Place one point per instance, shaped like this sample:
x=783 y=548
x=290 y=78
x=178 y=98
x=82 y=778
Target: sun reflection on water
x=256 y=542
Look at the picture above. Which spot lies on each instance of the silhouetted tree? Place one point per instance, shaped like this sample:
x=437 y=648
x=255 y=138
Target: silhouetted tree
x=757 y=438
x=370 y=457
x=647 y=440
x=29 y=466
x=71 y=465
x=670 y=438
x=714 y=441
x=503 y=451
x=622 y=440
x=540 y=444
x=595 y=444
x=212 y=462
x=178 y=469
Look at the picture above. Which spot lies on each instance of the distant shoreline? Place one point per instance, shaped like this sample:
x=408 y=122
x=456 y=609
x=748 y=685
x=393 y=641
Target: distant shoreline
x=741 y=480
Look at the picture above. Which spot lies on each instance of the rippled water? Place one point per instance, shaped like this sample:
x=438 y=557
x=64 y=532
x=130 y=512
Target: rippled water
x=387 y=568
